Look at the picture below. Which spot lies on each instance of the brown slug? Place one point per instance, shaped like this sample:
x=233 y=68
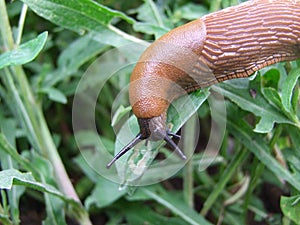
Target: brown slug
x=228 y=44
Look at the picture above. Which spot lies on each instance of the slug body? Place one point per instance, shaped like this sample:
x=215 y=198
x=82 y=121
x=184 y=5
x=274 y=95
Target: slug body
x=231 y=43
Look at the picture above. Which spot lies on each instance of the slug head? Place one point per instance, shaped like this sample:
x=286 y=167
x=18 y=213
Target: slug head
x=153 y=129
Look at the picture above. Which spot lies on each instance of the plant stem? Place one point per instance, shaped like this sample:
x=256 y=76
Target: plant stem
x=189 y=145
x=8 y=41
x=3 y=210
x=59 y=169
x=21 y=23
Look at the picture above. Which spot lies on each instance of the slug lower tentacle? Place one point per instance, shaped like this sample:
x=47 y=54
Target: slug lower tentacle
x=231 y=43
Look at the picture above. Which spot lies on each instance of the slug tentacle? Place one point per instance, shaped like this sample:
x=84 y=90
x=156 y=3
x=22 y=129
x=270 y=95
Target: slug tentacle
x=151 y=129
x=129 y=146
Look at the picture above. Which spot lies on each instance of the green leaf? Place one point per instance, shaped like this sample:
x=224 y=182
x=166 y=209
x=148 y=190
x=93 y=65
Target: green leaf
x=54 y=94
x=104 y=194
x=85 y=15
x=14 y=8
x=273 y=97
x=148 y=28
x=120 y=112
x=8 y=149
x=290 y=207
x=83 y=164
x=8 y=127
x=147 y=215
x=257 y=145
x=24 y=53
x=288 y=87
x=79 y=52
x=231 y=168
x=191 y=11
x=294 y=133
x=188 y=105
x=150 y=13
x=175 y=204
x=11 y=177
x=271 y=77
x=73 y=56
x=257 y=105
x=77 y=15
x=54 y=198
x=55 y=212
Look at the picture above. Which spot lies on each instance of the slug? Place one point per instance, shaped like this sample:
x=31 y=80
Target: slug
x=228 y=44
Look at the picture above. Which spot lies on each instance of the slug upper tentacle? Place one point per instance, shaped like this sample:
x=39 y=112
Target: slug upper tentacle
x=151 y=129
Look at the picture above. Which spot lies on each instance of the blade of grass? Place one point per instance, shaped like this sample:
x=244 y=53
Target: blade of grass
x=236 y=161
x=4 y=217
x=256 y=144
x=176 y=206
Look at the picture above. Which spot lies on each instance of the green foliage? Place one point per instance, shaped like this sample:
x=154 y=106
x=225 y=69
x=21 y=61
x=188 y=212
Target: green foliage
x=291 y=208
x=24 y=53
x=47 y=49
x=12 y=177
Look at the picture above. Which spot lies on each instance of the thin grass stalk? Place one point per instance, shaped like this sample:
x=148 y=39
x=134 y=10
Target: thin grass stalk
x=189 y=145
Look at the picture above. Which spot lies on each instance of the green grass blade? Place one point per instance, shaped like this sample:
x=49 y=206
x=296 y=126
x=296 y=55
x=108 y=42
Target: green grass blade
x=177 y=206
x=258 y=106
x=259 y=148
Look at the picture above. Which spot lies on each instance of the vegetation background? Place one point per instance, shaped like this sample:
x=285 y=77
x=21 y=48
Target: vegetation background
x=45 y=49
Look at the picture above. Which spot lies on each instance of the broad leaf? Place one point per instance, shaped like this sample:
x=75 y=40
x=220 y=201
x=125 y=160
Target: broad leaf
x=77 y=15
x=75 y=55
x=82 y=16
x=149 y=28
x=191 y=11
x=54 y=94
x=104 y=194
x=290 y=207
x=24 y=53
x=11 y=176
x=257 y=105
